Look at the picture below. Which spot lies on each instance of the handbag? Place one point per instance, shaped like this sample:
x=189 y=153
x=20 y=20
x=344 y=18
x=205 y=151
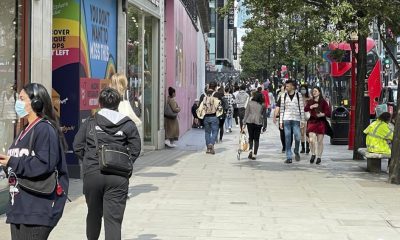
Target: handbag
x=328 y=128
x=40 y=185
x=113 y=159
x=168 y=112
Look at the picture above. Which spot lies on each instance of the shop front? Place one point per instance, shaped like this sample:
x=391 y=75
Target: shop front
x=14 y=65
x=84 y=59
x=143 y=67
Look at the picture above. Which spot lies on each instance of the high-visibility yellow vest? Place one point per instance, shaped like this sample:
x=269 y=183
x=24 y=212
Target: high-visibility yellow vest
x=378 y=135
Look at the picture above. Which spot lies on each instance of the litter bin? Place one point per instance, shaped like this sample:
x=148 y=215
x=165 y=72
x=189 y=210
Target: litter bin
x=340 y=122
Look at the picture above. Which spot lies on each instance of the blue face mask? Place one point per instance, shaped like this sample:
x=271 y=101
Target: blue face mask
x=20 y=108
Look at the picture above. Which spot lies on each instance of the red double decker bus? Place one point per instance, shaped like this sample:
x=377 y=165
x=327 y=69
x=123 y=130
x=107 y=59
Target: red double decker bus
x=341 y=75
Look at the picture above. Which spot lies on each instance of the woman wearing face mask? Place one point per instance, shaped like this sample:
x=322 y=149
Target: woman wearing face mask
x=37 y=152
x=305 y=145
x=319 y=110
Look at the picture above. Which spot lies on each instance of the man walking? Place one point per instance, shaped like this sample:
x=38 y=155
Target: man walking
x=291 y=118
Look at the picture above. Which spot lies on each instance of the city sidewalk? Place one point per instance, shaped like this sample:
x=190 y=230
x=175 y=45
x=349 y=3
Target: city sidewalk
x=185 y=194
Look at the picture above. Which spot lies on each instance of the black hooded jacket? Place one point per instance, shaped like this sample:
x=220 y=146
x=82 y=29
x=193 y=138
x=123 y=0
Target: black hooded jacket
x=112 y=128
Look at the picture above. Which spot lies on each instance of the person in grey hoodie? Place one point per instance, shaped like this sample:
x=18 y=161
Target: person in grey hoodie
x=105 y=194
x=253 y=118
x=242 y=99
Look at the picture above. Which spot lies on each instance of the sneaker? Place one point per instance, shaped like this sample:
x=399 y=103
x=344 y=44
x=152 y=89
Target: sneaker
x=237 y=125
x=168 y=143
x=174 y=145
x=312 y=159
x=318 y=161
x=288 y=161
x=230 y=130
x=254 y=157
x=250 y=155
x=227 y=131
x=264 y=129
x=297 y=157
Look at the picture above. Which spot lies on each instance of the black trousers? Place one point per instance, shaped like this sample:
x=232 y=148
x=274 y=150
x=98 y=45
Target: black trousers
x=254 y=136
x=265 y=121
x=236 y=115
x=221 y=128
x=105 y=197
x=29 y=232
x=242 y=111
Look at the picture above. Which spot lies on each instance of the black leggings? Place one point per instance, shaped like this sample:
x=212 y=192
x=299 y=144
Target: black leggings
x=254 y=136
x=242 y=112
x=29 y=232
x=221 y=128
x=236 y=115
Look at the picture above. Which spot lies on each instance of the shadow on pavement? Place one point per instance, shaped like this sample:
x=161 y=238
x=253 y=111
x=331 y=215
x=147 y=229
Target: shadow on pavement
x=146 y=237
x=142 y=188
x=354 y=169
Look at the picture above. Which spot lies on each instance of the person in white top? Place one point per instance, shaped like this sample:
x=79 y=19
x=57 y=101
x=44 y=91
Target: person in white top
x=292 y=118
x=120 y=83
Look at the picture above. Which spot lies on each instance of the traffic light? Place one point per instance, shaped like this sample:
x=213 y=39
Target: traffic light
x=386 y=62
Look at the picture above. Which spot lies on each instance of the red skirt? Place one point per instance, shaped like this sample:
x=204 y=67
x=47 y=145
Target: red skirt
x=316 y=126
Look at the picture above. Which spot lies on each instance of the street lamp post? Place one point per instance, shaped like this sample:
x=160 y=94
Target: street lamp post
x=352 y=129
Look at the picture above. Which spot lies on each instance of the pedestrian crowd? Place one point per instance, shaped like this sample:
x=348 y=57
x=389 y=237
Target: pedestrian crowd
x=108 y=143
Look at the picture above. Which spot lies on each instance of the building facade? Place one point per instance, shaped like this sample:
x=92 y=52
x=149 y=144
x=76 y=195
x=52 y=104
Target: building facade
x=185 y=47
x=72 y=47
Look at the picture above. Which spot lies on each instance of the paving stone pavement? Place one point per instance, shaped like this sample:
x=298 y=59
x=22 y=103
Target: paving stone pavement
x=184 y=194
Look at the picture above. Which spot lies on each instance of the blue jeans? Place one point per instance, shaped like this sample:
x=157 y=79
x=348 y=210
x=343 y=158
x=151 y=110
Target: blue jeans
x=228 y=123
x=292 y=127
x=211 y=127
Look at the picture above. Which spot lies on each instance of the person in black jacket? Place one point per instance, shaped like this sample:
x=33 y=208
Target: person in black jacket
x=196 y=121
x=105 y=194
x=38 y=151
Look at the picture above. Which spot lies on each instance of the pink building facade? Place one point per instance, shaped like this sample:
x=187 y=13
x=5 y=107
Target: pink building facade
x=181 y=59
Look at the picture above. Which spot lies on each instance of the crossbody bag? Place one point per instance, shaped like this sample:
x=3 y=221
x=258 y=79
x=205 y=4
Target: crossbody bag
x=113 y=159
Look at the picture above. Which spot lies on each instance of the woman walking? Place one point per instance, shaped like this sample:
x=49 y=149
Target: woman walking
x=316 y=128
x=38 y=152
x=305 y=145
x=105 y=193
x=229 y=112
x=171 y=123
x=221 y=119
x=120 y=83
x=253 y=119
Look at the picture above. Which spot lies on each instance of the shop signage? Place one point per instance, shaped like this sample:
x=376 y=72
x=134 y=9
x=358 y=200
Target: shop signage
x=231 y=18
x=235 y=43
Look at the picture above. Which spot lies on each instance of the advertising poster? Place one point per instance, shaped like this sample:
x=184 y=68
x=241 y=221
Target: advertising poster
x=99 y=48
x=65 y=65
x=84 y=53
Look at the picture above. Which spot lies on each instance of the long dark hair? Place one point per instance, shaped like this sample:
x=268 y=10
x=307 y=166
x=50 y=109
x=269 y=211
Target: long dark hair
x=258 y=97
x=321 y=96
x=47 y=111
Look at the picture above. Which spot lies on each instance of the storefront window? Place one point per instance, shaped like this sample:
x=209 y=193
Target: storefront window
x=142 y=63
x=12 y=57
x=135 y=58
x=148 y=78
